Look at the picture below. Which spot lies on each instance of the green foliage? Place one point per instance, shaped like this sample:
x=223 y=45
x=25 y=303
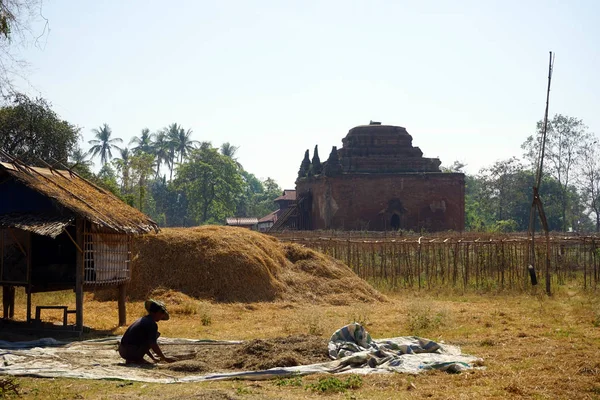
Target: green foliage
x=295 y=381
x=107 y=178
x=334 y=385
x=422 y=319
x=498 y=199
x=211 y=184
x=103 y=144
x=31 y=130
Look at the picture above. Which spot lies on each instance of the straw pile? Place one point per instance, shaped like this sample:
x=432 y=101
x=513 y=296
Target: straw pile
x=230 y=264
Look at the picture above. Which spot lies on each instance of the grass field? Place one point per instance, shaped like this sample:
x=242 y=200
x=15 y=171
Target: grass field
x=533 y=346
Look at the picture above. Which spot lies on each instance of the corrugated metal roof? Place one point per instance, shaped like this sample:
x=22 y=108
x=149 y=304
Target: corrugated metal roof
x=288 y=194
x=241 y=221
x=81 y=197
x=46 y=225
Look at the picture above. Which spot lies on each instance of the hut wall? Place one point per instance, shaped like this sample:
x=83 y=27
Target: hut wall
x=107 y=257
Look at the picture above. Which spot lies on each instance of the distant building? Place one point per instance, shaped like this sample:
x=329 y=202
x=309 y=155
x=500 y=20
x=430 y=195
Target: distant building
x=377 y=181
x=248 y=223
x=266 y=222
x=284 y=202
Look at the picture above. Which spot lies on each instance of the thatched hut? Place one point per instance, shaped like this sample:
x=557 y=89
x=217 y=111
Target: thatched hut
x=58 y=231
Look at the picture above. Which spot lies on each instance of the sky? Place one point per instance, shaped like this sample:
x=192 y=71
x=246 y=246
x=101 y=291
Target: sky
x=467 y=79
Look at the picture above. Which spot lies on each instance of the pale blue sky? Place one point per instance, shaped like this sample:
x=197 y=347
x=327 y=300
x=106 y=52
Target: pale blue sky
x=466 y=78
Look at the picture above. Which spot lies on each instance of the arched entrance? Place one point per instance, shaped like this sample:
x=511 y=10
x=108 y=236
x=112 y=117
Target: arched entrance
x=395 y=222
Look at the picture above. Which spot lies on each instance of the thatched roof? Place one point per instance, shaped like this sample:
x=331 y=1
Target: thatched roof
x=69 y=191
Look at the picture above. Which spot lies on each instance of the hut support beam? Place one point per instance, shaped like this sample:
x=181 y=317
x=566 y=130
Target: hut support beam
x=8 y=301
x=79 y=277
x=122 y=309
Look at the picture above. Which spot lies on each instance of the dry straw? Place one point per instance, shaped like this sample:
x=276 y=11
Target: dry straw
x=237 y=265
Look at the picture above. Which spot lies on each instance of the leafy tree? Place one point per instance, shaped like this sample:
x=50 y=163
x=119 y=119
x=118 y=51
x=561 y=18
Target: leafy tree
x=564 y=145
x=107 y=178
x=210 y=182
x=141 y=170
x=456 y=166
x=256 y=199
x=589 y=178
x=31 y=130
x=103 y=144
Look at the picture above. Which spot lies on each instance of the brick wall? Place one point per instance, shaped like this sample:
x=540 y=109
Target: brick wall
x=429 y=201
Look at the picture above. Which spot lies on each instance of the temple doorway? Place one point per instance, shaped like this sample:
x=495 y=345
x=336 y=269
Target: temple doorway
x=395 y=222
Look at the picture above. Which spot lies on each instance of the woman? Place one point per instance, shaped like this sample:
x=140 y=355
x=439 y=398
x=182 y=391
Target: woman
x=142 y=335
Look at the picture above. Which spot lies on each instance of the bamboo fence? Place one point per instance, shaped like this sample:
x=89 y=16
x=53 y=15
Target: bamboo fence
x=459 y=261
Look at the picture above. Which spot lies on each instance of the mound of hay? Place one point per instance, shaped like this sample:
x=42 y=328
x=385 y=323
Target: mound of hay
x=237 y=265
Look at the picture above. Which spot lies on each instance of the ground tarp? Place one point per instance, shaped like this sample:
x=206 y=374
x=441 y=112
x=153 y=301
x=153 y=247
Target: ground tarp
x=351 y=346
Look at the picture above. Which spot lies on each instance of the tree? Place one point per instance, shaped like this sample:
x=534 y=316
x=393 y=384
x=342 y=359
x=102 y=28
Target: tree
x=185 y=144
x=123 y=166
x=108 y=179
x=589 y=179
x=172 y=137
x=210 y=182
x=103 y=144
x=229 y=150
x=31 y=130
x=160 y=149
x=456 y=166
x=564 y=145
x=16 y=17
x=143 y=142
x=141 y=169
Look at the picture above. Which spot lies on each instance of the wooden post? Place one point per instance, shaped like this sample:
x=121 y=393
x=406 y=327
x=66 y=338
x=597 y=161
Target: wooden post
x=122 y=309
x=8 y=301
x=28 y=303
x=79 y=266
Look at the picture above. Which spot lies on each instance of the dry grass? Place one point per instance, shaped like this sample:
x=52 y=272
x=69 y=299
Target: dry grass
x=534 y=346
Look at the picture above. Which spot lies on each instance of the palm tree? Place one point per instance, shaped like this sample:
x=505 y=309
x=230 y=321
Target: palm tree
x=124 y=165
x=79 y=158
x=103 y=144
x=160 y=149
x=143 y=142
x=229 y=150
x=172 y=133
x=185 y=144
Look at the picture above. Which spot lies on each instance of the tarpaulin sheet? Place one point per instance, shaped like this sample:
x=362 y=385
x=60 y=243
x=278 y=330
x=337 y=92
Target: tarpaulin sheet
x=99 y=359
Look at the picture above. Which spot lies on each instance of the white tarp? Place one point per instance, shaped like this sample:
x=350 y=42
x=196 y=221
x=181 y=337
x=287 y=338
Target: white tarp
x=98 y=359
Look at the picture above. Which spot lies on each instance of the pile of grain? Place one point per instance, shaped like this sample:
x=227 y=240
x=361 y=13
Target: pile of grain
x=237 y=265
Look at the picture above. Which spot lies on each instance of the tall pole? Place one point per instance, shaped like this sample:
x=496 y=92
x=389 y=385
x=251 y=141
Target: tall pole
x=536 y=203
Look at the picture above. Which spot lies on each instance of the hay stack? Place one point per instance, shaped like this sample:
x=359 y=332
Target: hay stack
x=233 y=264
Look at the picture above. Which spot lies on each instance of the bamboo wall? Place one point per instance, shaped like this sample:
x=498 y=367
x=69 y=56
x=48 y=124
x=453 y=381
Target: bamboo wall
x=458 y=261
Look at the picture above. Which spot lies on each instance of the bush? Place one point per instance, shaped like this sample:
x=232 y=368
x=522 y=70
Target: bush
x=335 y=385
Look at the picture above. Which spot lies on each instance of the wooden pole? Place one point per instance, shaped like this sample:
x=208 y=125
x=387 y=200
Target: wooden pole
x=122 y=309
x=79 y=270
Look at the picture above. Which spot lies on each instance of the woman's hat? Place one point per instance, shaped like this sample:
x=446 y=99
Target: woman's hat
x=153 y=306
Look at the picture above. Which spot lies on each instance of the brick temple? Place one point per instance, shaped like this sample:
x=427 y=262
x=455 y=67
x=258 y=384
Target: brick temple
x=377 y=181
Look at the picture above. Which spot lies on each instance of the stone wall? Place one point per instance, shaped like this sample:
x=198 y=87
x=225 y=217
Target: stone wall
x=409 y=201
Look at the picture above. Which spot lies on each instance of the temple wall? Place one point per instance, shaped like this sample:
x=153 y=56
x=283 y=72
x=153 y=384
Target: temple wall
x=420 y=201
